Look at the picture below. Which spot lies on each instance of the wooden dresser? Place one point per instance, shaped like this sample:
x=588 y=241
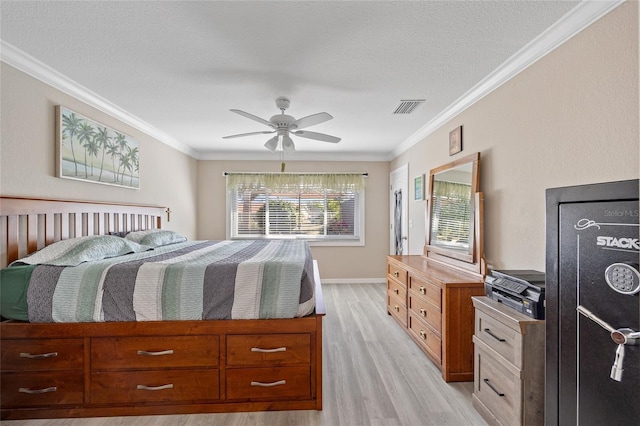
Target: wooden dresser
x=509 y=355
x=432 y=302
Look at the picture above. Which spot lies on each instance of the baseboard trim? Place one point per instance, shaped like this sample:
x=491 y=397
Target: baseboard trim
x=354 y=280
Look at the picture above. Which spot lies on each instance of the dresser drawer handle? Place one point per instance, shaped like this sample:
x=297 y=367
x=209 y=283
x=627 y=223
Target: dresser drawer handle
x=267 y=385
x=396 y=291
x=282 y=349
x=423 y=312
x=423 y=290
x=396 y=274
x=492 y=388
x=157 y=353
x=396 y=308
x=488 y=331
x=36 y=391
x=423 y=335
x=155 y=388
x=38 y=356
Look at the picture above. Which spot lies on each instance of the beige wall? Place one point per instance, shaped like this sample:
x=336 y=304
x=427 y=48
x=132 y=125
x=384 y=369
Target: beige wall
x=335 y=262
x=27 y=155
x=569 y=119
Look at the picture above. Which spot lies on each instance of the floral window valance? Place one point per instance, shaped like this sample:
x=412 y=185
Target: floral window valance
x=339 y=182
x=459 y=191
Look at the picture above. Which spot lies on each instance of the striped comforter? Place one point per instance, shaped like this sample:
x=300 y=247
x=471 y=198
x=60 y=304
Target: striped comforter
x=187 y=281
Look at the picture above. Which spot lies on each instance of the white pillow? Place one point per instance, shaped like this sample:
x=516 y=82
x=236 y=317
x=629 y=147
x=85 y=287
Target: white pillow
x=155 y=237
x=75 y=251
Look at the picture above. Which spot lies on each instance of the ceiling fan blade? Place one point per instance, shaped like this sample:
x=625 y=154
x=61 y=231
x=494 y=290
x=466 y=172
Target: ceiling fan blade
x=252 y=117
x=311 y=120
x=317 y=136
x=247 y=134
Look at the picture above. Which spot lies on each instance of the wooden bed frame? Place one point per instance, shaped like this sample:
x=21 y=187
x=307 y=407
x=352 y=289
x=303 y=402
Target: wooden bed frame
x=144 y=368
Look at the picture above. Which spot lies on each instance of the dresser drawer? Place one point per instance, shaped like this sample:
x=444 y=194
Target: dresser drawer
x=502 y=339
x=398 y=290
x=429 y=291
x=397 y=273
x=429 y=339
x=268 y=349
x=154 y=386
x=397 y=308
x=497 y=387
x=154 y=352
x=272 y=383
x=41 y=388
x=426 y=311
x=47 y=355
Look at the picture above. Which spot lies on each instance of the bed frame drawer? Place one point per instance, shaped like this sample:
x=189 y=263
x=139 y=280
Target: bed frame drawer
x=154 y=386
x=268 y=383
x=41 y=388
x=151 y=352
x=34 y=355
x=268 y=349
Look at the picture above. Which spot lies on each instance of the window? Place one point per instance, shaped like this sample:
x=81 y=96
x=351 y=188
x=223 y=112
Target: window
x=451 y=214
x=319 y=207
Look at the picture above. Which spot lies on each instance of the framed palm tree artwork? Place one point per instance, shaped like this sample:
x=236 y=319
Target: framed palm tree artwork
x=93 y=152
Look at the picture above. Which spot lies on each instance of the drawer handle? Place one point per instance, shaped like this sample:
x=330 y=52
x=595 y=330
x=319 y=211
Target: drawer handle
x=396 y=291
x=396 y=308
x=423 y=312
x=492 y=388
x=38 y=356
x=396 y=274
x=499 y=339
x=282 y=349
x=157 y=353
x=36 y=391
x=422 y=290
x=268 y=385
x=155 y=388
x=423 y=335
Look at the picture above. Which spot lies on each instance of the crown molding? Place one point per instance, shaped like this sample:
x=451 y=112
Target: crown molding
x=576 y=20
x=41 y=71
x=292 y=157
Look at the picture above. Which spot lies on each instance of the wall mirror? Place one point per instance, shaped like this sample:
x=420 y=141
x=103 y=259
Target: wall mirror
x=453 y=214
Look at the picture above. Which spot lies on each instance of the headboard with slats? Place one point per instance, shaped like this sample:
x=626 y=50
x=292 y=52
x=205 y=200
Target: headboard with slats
x=28 y=224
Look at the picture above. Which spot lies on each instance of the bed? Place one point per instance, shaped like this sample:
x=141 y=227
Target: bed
x=149 y=359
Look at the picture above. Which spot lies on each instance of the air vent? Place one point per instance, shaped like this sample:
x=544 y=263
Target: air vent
x=407 y=106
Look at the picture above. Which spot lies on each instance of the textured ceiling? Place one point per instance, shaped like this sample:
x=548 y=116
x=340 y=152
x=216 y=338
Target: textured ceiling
x=179 y=66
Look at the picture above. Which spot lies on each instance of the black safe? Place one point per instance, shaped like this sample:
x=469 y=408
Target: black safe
x=592 y=305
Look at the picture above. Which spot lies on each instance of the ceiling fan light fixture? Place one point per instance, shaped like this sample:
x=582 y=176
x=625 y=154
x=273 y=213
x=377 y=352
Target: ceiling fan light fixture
x=287 y=144
x=272 y=144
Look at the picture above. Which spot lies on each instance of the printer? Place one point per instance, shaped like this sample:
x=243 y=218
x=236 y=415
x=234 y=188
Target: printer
x=522 y=290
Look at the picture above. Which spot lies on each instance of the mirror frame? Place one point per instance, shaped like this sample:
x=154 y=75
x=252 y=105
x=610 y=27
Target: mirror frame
x=473 y=258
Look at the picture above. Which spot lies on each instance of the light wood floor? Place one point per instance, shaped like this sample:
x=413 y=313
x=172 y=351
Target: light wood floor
x=374 y=374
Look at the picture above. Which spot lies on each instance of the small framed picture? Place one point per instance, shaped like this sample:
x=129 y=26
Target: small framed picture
x=455 y=140
x=418 y=188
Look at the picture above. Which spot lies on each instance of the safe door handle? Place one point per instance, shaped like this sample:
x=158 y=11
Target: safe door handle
x=593 y=317
x=490 y=333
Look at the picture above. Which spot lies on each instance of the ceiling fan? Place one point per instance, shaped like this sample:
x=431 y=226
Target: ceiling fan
x=284 y=125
